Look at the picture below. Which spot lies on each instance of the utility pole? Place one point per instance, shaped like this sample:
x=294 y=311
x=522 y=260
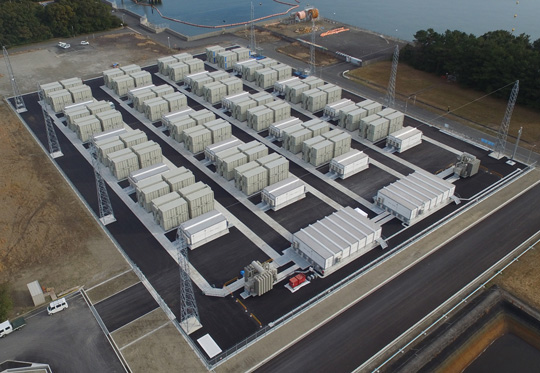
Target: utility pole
x=312 y=49
x=54 y=145
x=500 y=144
x=517 y=142
x=20 y=106
x=252 y=44
x=189 y=313
x=390 y=99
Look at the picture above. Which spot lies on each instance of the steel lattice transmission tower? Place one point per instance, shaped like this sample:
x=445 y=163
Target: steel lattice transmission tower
x=500 y=144
x=189 y=313
x=20 y=106
x=312 y=49
x=252 y=43
x=54 y=145
x=106 y=214
x=390 y=99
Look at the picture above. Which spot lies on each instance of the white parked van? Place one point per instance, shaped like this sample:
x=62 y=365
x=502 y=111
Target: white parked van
x=57 y=306
x=5 y=328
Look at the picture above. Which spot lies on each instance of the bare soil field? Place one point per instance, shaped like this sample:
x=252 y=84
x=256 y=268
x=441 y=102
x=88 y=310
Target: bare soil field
x=46 y=233
x=522 y=278
x=302 y=53
x=47 y=63
x=437 y=94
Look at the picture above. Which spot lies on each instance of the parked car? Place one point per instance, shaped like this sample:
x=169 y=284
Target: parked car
x=9 y=327
x=57 y=306
x=85 y=42
x=61 y=44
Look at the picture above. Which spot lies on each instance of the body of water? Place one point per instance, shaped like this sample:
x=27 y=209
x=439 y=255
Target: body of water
x=398 y=18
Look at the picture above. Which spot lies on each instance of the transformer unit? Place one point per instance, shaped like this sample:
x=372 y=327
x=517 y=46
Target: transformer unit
x=467 y=165
x=259 y=278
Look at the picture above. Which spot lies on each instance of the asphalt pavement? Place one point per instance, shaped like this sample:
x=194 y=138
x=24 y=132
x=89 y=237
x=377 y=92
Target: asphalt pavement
x=69 y=341
x=349 y=340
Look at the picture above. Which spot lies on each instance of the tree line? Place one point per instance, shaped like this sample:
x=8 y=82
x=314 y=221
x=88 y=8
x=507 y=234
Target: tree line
x=485 y=63
x=27 y=21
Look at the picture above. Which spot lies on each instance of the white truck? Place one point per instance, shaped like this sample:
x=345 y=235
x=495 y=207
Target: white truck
x=8 y=327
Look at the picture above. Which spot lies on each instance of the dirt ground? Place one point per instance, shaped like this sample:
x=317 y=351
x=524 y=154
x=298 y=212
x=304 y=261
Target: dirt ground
x=46 y=233
x=261 y=37
x=83 y=61
x=424 y=88
x=302 y=53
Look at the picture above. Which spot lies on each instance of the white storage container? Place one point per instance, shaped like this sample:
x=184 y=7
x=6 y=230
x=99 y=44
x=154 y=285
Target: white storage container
x=256 y=152
x=200 y=202
x=59 y=100
x=75 y=114
x=195 y=65
x=254 y=180
x=226 y=59
x=284 y=71
x=284 y=193
x=342 y=144
x=242 y=54
x=239 y=171
x=202 y=116
x=148 y=153
x=353 y=119
x=202 y=229
x=364 y=124
x=169 y=197
x=219 y=131
x=110 y=119
x=230 y=163
x=140 y=98
x=333 y=92
x=349 y=163
x=178 y=71
x=122 y=166
x=213 y=92
x=164 y=63
x=86 y=127
x=130 y=68
x=197 y=138
x=295 y=140
x=122 y=84
x=183 y=57
x=307 y=144
x=234 y=85
x=332 y=110
x=107 y=148
x=281 y=85
x=171 y=214
x=175 y=116
x=404 y=139
x=141 y=78
x=242 y=108
x=373 y=108
x=109 y=74
x=342 y=113
x=261 y=119
x=162 y=90
x=151 y=192
x=80 y=93
x=211 y=150
x=295 y=93
x=155 y=108
x=266 y=78
x=99 y=106
x=176 y=101
x=212 y=52
x=133 y=138
x=71 y=82
x=277 y=128
x=278 y=170
x=377 y=129
x=136 y=178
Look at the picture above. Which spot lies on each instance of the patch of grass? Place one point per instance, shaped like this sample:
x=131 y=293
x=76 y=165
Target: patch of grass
x=468 y=106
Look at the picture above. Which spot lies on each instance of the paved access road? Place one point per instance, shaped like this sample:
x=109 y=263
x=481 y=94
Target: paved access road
x=349 y=340
x=69 y=341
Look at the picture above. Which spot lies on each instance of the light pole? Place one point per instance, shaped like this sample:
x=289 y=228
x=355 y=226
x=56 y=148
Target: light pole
x=530 y=153
x=169 y=42
x=407 y=101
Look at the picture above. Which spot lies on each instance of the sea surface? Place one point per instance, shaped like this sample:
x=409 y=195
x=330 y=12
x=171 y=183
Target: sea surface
x=397 y=18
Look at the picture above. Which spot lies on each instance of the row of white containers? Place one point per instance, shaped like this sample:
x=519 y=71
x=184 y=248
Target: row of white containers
x=65 y=93
x=291 y=89
x=196 y=82
x=378 y=126
x=178 y=66
x=126 y=160
x=226 y=59
x=316 y=99
x=108 y=75
x=294 y=134
x=155 y=102
x=261 y=117
x=267 y=76
x=321 y=149
x=239 y=104
x=231 y=154
x=404 y=139
x=91 y=118
x=247 y=69
x=215 y=91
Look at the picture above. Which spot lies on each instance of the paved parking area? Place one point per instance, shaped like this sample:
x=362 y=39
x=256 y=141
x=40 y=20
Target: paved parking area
x=69 y=341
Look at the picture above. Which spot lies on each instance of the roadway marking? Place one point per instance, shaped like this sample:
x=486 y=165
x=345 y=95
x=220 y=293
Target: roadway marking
x=109 y=279
x=145 y=335
x=352 y=303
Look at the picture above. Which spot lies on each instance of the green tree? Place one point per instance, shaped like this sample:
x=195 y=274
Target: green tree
x=5 y=302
